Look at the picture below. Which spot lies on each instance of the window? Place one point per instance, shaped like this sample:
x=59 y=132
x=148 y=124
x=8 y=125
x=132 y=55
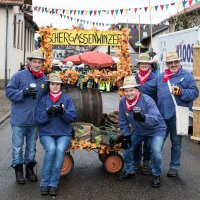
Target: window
x=27 y=32
x=18 y=35
x=14 y=30
x=22 y=35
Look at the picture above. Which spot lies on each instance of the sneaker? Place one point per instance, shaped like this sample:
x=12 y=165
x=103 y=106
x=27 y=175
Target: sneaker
x=52 y=191
x=172 y=172
x=156 y=182
x=146 y=170
x=125 y=175
x=44 y=190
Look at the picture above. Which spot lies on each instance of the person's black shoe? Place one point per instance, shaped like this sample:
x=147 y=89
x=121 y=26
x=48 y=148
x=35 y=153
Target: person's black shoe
x=172 y=172
x=124 y=175
x=30 y=174
x=52 y=191
x=138 y=166
x=146 y=170
x=44 y=190
x=156 y=182
x=19 y=174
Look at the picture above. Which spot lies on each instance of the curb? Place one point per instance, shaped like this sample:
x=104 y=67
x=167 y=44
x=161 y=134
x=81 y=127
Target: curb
x=2 y=119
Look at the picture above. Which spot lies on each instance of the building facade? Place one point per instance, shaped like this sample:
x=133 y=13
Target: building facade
x=17 y=37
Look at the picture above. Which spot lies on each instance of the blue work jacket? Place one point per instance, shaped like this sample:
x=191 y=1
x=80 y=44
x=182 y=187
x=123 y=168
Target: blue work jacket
x=23 y=108
x=150 y=78
x=154 y=124
x=55 y=125
x=165 y=104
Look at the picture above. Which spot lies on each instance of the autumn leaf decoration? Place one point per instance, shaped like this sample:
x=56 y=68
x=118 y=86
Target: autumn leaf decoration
x=99 y=76
x=124 y=66
x=46 y=48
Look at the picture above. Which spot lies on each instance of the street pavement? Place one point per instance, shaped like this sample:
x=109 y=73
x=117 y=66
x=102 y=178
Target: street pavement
x=88 y=180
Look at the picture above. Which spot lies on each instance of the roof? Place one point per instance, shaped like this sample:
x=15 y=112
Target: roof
x=189 y=9
x=134 y=34
x=11 y=2
x=154 y=33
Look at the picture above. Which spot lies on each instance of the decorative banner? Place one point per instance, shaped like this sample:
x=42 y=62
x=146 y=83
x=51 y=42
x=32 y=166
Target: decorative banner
x=84 y=37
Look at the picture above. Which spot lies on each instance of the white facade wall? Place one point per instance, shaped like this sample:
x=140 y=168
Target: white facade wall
x=15 y=52
x=155 y=40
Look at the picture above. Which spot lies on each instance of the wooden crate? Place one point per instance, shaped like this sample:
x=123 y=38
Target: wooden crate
x=196 y=103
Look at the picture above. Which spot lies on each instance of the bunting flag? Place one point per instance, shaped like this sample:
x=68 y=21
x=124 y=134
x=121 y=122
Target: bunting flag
x=183 y=3
x=63 y=13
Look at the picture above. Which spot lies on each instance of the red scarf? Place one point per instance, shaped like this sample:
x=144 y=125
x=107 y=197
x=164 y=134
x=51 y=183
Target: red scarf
x=131 y=103
x=55 y=97
x=168 y=75
x=143 y=76
x=37 y=74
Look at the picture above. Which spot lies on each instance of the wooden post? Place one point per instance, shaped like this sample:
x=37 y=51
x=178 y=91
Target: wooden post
x=150 y=23
x=196 y=103
x=139 y=35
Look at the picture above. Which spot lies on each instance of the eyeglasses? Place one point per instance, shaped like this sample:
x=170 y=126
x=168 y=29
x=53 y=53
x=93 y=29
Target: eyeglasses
x=144 y=63
x=173 y=63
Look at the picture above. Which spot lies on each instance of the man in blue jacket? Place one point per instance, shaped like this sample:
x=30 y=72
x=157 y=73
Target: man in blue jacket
x=139 y=119
x=24 y=90
x=185 y=91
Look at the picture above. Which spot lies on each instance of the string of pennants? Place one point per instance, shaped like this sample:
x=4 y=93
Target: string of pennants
x=66 y=14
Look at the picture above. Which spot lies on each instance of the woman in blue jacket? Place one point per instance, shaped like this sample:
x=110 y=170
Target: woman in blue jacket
x=143 y=151
x=139 y=119
x=55 y=112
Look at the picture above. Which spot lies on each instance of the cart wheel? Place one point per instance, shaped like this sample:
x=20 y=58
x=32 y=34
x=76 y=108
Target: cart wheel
x=102 y=156
x=68 y=165
x=113 y=164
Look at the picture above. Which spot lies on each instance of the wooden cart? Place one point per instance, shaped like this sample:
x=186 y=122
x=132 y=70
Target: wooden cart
x=112 y=161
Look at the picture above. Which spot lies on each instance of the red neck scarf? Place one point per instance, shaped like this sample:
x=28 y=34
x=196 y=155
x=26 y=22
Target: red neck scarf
x=55 y=97
x=131 y=103
x=143 y=76
x=36 y=74
x=168 y=75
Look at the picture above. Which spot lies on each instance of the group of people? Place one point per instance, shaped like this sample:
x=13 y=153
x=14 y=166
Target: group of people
x=38 y=105
x=146 y=117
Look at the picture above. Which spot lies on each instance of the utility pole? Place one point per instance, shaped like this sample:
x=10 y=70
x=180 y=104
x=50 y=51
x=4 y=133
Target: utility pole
x=150 y=23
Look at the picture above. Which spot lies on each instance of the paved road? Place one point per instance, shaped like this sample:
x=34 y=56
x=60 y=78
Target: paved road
x=89 y=181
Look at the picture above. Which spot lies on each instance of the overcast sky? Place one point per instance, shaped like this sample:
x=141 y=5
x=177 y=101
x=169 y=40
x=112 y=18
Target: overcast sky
x=43 y=19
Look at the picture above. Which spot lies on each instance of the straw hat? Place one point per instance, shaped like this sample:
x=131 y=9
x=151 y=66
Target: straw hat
x=37 y=54
x=144 y=57
x=129 y=82
x=54 y=78
x=172 y=56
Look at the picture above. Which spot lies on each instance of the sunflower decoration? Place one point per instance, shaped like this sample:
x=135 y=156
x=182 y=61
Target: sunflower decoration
x=45 y=34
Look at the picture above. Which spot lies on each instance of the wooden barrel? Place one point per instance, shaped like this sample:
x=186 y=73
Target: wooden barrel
x=88 y=103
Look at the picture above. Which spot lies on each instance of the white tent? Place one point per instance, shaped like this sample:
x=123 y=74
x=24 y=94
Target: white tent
x=134 y=9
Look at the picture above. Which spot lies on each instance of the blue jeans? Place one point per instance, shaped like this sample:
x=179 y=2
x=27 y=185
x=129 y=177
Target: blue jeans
x=156 y=153
x=19 y=133
x=55 y=147
x=142 y=152
x=176 y=141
